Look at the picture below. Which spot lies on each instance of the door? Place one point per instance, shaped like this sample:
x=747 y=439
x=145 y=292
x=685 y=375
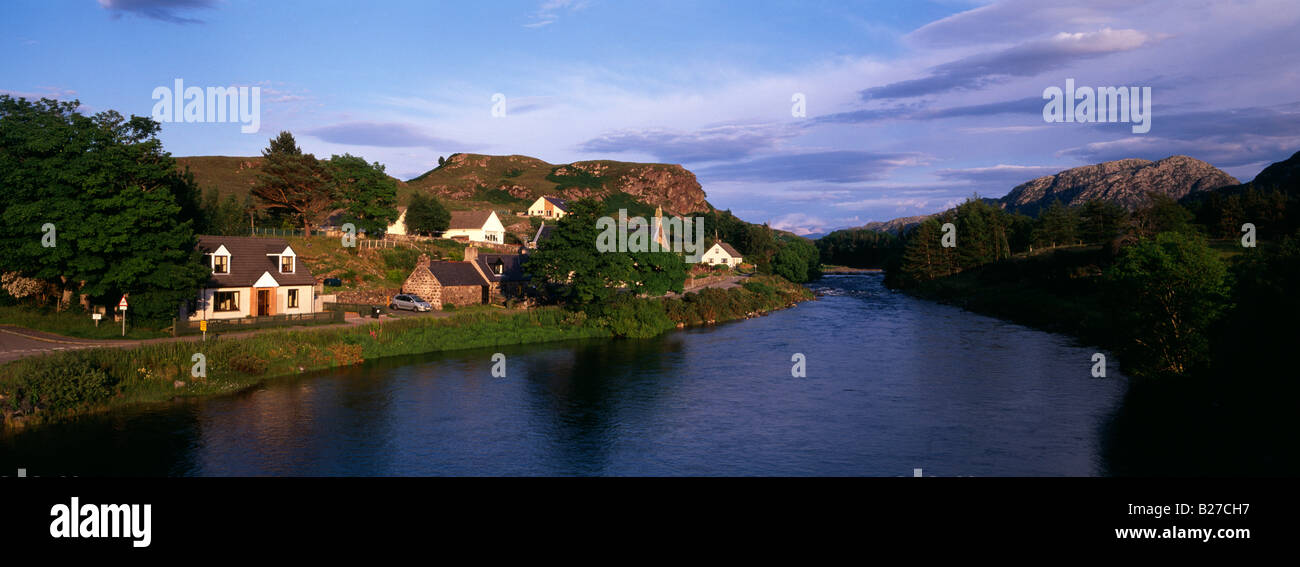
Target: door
x=264 y=302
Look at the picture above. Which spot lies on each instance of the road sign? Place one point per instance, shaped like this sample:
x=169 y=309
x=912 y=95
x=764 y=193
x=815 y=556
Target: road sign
x=122 y=304
x=203 y=326
x=97 y=316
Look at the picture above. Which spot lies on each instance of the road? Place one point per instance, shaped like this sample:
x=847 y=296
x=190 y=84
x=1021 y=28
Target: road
x=17 y=342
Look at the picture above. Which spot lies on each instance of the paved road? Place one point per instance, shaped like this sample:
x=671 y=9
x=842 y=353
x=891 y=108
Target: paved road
x=17 y=342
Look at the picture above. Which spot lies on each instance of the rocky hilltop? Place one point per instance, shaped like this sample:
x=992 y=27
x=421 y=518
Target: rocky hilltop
x=520 y=179
x=1125 y=182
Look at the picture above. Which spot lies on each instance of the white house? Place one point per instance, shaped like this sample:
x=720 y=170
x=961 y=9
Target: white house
x=722 y=254
x=251 y=277
x=476 y=226
x=548 y=207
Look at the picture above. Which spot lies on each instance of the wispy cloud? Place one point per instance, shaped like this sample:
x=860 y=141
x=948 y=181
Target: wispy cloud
x=1025 y=60
x=381 y=134
x=846 y=166
x=551 y=10
x=162 y=10
x=729 y=142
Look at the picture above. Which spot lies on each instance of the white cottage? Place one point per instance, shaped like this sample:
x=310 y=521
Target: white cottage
x=722 y=254
x=476 y=226
x=549 y=208
x=251 y=277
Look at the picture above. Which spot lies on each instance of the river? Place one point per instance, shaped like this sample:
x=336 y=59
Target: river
x=893 y=384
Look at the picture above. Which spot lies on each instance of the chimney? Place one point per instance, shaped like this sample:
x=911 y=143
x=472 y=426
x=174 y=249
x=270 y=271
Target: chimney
x=422 y=261
x=471 y=253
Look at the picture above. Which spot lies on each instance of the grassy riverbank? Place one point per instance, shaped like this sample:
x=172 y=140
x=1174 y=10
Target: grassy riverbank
x=70 y=383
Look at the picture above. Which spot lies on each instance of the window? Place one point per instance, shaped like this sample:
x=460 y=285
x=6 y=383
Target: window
x=293 y=298
x=498 y=267
x=221 y=264
x=286 y=264
x=226 y=300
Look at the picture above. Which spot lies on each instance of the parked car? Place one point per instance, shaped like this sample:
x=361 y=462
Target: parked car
x=409 y=302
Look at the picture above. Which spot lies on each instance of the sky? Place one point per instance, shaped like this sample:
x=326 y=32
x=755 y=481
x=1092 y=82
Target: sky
x=908 y=107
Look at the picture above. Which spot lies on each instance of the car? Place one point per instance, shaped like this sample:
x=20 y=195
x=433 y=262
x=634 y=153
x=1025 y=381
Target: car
x=410 y=302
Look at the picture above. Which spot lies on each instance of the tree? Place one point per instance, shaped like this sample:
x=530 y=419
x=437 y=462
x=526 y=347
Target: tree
x=294 y=183
x=366 y=194
x=1169 y=290
x=570 y=264
x=1101 y=221
x=425 y=215
x=122 y=216
x=796 y=260
x=657 y=273
x=1164 y=214
x=1057 y=226
x=923 y=256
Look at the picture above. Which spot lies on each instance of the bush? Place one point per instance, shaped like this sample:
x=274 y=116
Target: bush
x=58 y=384
x=248 y=364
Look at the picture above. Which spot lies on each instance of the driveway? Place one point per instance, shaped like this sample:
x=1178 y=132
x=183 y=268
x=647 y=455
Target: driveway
x=17 y=342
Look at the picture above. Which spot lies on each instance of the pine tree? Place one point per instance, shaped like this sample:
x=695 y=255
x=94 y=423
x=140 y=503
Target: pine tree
x=294 y=183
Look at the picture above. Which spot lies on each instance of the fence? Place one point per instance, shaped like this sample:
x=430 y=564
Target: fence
x=250 y=323
x=276 y=232
x=362 y=309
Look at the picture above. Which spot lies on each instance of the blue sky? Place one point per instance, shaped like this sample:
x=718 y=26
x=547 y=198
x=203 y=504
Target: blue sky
x=911 y=106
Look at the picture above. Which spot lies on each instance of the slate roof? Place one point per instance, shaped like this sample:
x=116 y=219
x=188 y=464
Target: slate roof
x=561 y=204
x=512 y=267
x=249 y=260
x=456 y=273
x=728 y=249
x=543 y=232
x=468 y=219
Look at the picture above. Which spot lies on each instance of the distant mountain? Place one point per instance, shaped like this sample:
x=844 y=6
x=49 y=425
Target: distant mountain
x=897 y=225
x=1125 y=182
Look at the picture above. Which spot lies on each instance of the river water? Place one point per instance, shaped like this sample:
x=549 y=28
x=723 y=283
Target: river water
x=893 y=384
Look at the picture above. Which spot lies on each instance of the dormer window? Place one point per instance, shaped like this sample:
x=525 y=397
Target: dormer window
x=498 y=267
x=221 y=264
x=286 y=264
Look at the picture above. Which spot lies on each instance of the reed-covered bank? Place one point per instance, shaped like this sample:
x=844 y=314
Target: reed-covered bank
x=70 y=383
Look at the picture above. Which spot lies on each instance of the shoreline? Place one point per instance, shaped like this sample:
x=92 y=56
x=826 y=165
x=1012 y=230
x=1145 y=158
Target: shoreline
x=160 y=373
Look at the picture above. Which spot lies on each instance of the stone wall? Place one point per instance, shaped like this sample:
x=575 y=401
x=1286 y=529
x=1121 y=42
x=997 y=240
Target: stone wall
x=461 y=295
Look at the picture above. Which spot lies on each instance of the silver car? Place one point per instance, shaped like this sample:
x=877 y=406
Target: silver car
x=409 y=301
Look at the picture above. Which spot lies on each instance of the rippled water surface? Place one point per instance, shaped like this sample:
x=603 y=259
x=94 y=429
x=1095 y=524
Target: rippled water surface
x=893 y=384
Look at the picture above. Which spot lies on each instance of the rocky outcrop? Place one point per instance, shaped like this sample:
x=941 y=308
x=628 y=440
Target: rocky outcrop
x=463 y=177
x=1126 y=182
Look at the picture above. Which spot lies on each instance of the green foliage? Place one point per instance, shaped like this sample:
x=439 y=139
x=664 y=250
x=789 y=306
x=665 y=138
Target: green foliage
x=635 y=317
x=1169 y=290
x=123 y=216
x=366 y=194
x=58 y=384
x=657 y=273
x=796 y=260
x=498 y=196
x=1100 y=222
x=294 y=184
x=615 y=201
x=569 y=264
x=858 y=248
x=425 y=215
x=1057 y=226
x=574 y=177
x=224 y=217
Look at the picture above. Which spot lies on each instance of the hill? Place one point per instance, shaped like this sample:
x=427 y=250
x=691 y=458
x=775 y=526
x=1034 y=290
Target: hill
x=476 y=181
x=516 y=181
x=1124 y=182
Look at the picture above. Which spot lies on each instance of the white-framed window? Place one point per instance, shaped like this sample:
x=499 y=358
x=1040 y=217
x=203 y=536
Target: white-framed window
x=292 y=299
x=286 y=264
x=226 y=301
x=221 y=264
